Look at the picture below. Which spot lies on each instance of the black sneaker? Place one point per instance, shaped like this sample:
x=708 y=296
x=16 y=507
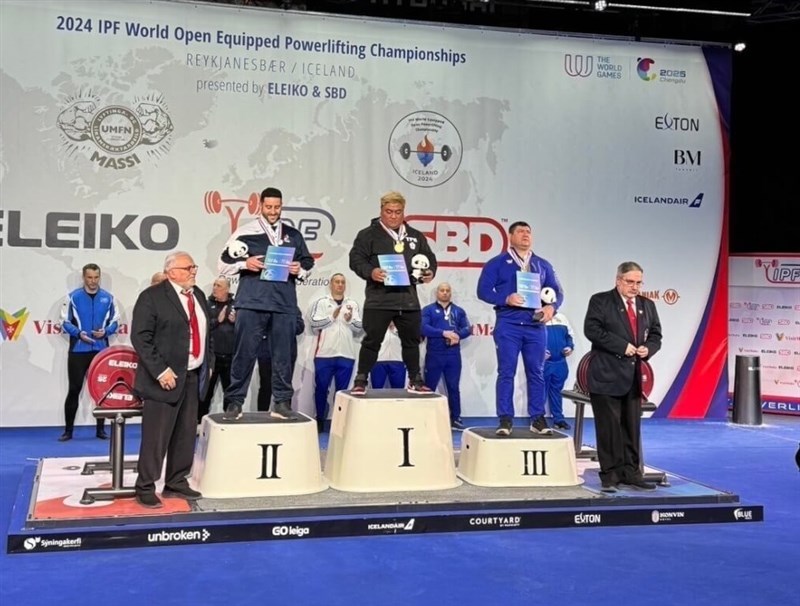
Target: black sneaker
x=233 y=413
x=282 y=410
x=562 y=425
x=66 y=436
x=609 y=487
x=181 y=492
x=504 y=429
x=359 y=386
x=457 y=424
x=539 y=425
x=639 y=484
x=417 y=386
x=101 y=434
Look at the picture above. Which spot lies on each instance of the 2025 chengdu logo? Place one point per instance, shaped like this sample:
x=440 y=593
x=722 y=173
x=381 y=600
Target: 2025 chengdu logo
x=425 y=149
x=113 y=136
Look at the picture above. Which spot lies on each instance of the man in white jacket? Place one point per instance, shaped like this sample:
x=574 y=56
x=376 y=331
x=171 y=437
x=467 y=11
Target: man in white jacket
x=336 y=321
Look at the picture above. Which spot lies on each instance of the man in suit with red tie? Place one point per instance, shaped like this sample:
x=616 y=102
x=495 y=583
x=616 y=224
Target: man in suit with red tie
x=171 y=336
x=624 y=329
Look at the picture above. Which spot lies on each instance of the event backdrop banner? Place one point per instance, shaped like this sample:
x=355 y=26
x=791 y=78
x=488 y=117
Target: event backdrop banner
x=764 y=321
x=132 y=129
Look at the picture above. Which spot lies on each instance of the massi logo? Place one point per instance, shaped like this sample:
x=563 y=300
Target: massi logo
x=111 y=135
x=425 y=149
x=578 y=66
x=312 y=223
x=11 y=324
x=779 y=272
x=645 y=69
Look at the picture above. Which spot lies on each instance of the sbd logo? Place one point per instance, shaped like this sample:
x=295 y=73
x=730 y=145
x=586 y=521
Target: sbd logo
x=464 y=241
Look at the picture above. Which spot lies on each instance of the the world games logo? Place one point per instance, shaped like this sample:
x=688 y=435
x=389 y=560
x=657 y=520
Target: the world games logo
x=425 y=149
x=114 y=136
x=644 y=68
x=11 y=325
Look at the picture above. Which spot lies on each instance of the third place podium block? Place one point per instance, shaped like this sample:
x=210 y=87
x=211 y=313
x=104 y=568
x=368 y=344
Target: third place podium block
x=390 y=440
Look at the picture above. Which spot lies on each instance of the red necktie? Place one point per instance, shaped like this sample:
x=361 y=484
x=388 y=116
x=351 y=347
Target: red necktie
x=194 y=327
x=632 y=317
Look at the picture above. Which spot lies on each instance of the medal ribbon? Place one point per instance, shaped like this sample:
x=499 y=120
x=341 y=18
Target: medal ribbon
x=524 y=264
x=397 y=236
x=274 y=233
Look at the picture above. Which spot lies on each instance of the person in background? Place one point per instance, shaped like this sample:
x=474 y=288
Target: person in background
x=444 y=326
x=389 y=365
x=157 y=277
x=222 y=317
x=560 y=345
x=336 y=321
x=89 y=315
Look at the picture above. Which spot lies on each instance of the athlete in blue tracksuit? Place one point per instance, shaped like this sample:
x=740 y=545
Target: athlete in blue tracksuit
x=264 y=306
x=560 y=344
x=89 y=315
x=519 y=329
x=445 y=325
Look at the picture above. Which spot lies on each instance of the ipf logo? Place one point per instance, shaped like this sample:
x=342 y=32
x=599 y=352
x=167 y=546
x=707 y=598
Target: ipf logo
x=11 y=325
x=308 y=221
x=425 y=149
x=644 y=68
x=779 y=272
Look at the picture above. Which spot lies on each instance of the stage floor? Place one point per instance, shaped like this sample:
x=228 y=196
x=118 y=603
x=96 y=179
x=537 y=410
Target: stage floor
x=48 y=515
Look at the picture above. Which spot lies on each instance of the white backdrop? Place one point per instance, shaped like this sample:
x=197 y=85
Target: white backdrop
x=116 y=148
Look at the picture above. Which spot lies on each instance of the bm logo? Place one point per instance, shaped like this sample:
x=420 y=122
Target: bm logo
x=310 y=222
x=463 y=241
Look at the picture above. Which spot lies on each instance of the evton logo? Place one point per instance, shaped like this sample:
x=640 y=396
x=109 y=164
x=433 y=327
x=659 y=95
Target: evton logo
x=111 y=134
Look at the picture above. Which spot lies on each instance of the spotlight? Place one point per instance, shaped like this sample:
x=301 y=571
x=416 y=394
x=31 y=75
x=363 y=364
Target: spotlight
x=600 y=5
x=739 y=47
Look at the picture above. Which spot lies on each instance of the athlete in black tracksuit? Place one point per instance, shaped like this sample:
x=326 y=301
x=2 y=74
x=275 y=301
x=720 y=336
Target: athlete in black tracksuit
x=384 y=304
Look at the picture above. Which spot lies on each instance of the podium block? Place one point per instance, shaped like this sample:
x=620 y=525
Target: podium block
x=257 y=456
x=390 y=440
x=522 y=459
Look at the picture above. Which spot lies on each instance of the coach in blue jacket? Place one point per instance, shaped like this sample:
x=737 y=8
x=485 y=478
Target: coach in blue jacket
x=445 y=325
x=89 y=316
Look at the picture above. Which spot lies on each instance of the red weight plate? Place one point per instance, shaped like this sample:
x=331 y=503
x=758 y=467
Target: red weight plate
x=114 y=365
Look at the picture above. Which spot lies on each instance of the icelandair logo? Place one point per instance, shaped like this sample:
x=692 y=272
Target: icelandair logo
x=178 y=536
x=669 y=201
x=393 y=525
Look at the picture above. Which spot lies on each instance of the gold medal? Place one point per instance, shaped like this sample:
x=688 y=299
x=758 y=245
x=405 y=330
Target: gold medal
x=399 y=247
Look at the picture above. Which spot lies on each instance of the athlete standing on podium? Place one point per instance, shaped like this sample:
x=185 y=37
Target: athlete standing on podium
x=264 y=306
x=389 y=234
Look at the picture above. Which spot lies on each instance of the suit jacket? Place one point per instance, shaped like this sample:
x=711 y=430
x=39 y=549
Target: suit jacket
x=611 y=372
x=160 y=335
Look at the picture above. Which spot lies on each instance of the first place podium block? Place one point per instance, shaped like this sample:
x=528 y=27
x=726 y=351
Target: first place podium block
x=389 y=440
x=257 y=456
x=521 y=459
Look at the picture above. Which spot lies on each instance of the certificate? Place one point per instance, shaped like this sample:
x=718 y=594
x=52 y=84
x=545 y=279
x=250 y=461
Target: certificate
x=276 y=263
x=396 y=270
x=529 y=286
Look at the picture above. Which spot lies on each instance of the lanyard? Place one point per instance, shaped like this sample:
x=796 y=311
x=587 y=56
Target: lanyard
x=274 y=233
x=397 y=236
x=524 y=264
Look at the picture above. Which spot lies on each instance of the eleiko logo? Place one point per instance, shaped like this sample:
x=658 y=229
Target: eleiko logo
x=416 y=141
x=463 y=241
x=578 y=65
x=11 y=325
x=88 y=126
x=644 y=68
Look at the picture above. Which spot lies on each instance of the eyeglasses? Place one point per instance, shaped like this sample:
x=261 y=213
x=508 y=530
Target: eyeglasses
x=632 y=282
x=188 y=268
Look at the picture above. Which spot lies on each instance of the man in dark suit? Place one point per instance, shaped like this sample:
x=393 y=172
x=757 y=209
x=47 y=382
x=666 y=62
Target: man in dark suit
x=170 y=333
x=624 y=329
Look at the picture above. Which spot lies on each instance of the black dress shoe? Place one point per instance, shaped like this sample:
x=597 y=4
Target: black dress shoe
x=149 y=500
x=101 y=434
x=609 y=487
x=181 y=492
x=282 y=410
x=639 y=484
x=67 y=435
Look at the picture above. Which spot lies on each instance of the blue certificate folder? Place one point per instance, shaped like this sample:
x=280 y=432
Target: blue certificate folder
x=529 y=286
x=396 y=270
x=276 y=263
